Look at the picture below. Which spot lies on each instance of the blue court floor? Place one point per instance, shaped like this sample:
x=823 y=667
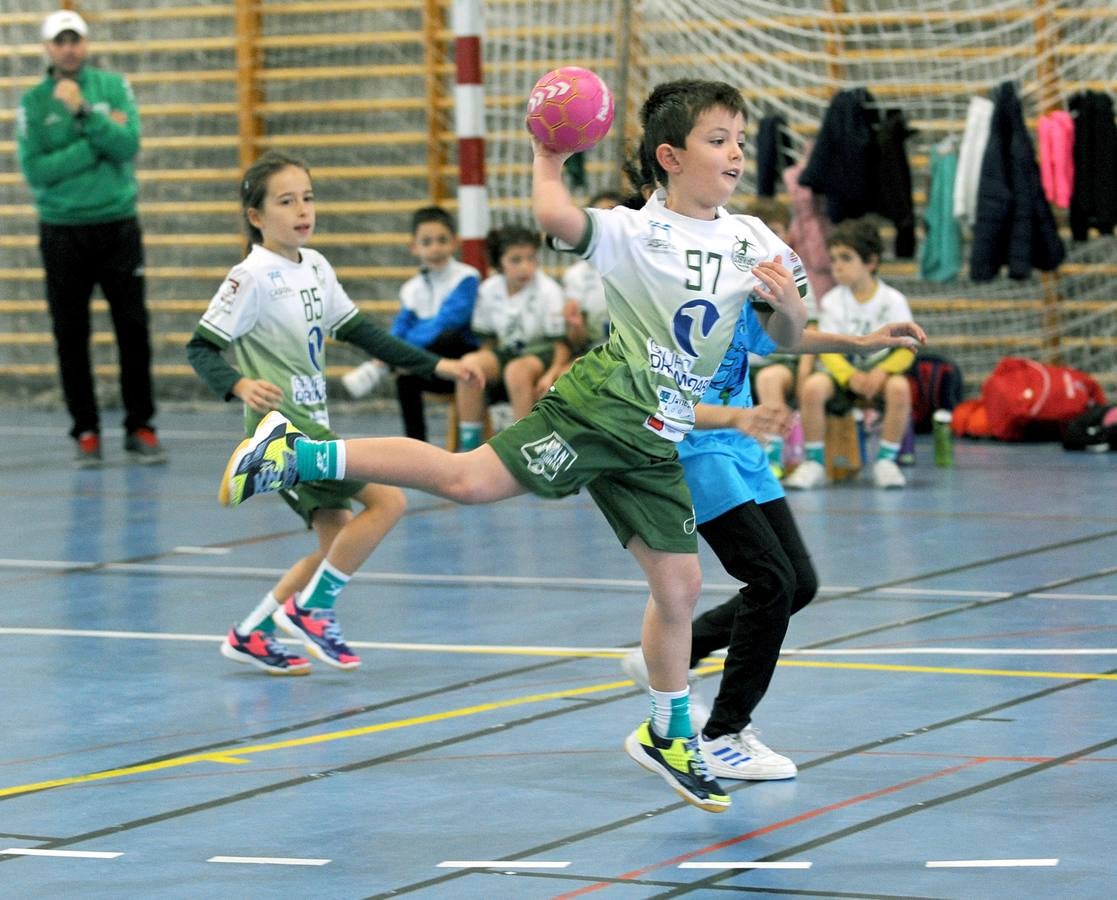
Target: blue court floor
x=950 y=698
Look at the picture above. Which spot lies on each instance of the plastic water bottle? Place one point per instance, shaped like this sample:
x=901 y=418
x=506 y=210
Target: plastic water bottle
x=944 y=438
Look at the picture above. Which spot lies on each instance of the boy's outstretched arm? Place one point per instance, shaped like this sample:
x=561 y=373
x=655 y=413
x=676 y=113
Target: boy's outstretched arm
x=894 y=336
x=551 y=203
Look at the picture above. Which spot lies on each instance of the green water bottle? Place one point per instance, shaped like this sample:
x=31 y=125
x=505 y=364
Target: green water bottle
x=944 y=438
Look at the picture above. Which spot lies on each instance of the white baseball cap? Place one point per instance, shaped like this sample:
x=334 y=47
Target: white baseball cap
x=63 y=20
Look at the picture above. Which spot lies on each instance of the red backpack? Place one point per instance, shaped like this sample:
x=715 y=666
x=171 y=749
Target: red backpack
x=1026 y=400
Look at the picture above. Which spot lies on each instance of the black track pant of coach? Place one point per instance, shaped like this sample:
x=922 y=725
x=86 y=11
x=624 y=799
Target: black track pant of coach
x=760 y=545
x=76 y=258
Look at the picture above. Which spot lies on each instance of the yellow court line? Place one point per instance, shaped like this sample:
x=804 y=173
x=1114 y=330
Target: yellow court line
x=232 y=754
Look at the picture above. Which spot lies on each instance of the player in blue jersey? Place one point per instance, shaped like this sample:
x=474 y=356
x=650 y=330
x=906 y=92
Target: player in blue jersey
x=743 y=516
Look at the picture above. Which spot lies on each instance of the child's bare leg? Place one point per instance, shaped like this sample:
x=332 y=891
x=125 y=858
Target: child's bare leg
x=897 y=408
x=675 y=580
x=817 y=389
x=470 y=399
x=475 y=477
x=773 y=385
x=354 y=542
x=520 y=376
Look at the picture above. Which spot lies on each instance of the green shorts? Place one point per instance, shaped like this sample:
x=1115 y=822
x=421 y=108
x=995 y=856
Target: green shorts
x=554 y=452
x=308 y=496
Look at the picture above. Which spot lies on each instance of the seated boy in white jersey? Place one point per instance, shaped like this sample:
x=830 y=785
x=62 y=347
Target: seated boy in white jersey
x=857 y=305
x=677 y=274
x=518 y=322
x=436 y=306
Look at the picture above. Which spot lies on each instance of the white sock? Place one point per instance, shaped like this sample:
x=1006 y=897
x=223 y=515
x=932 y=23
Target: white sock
x=665 y=706
x=340 y=459
x=256 y=618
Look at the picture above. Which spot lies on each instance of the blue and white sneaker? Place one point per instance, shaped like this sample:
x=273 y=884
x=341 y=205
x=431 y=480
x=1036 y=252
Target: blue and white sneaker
x=744 y=756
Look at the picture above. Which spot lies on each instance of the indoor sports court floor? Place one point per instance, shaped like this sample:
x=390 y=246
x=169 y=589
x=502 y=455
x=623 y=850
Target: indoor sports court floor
x=950 y=698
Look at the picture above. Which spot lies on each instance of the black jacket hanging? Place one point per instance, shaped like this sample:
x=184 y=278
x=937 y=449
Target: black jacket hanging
x=1014 y=224
x=844 y=156
x=893 y=181
x=1093 y=203
x=773 y=154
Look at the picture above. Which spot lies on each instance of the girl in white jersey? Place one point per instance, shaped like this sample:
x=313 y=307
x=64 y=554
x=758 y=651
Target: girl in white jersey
x=276 y=308
x=676 y=274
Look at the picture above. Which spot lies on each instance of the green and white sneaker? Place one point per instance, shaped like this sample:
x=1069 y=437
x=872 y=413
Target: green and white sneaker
x=679 y=762
x=263 y=463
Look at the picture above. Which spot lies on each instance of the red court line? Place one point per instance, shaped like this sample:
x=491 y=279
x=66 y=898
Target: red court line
x=775 y=826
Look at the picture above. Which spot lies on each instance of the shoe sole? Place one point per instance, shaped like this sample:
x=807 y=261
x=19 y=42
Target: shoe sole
x=635 y=750
x=744 y=774
x=231 y=652
x=146 y=459
x=312 y=648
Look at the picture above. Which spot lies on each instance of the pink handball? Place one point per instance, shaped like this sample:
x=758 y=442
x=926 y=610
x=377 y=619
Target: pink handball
x=570 y=109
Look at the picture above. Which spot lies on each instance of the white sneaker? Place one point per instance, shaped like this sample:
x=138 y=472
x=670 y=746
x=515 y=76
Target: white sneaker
x=635 y=668
x=744 y=756
x=363 y=380
x=886 y=474
x=807 y=475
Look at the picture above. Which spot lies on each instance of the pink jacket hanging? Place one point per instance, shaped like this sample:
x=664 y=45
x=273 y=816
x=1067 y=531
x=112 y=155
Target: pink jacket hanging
x=1056 y=156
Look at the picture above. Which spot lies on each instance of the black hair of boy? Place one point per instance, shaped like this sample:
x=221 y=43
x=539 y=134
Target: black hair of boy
x=670 y=113
x=500 y=239
x=861 y=236
x=432 y=214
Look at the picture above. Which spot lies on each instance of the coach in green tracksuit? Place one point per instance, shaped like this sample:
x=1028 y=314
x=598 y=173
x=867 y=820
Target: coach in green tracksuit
x=78 y=135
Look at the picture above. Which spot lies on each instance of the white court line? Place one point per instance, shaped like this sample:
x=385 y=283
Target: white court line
x=211 y=571
x=409 y=578
x=988 y=863
x=187 y=550
x=544 y=649
x=69 y=854
x=502 y=864
x=745 y=865
x=940 y=592
x=268 y=860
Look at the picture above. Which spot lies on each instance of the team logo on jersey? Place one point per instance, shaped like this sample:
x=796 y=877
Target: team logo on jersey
x=549 y=456
x=278 y=285
x=741 y=257
x=315 y=343
x=223 y=303
x=659 y=240
x=700 y=312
